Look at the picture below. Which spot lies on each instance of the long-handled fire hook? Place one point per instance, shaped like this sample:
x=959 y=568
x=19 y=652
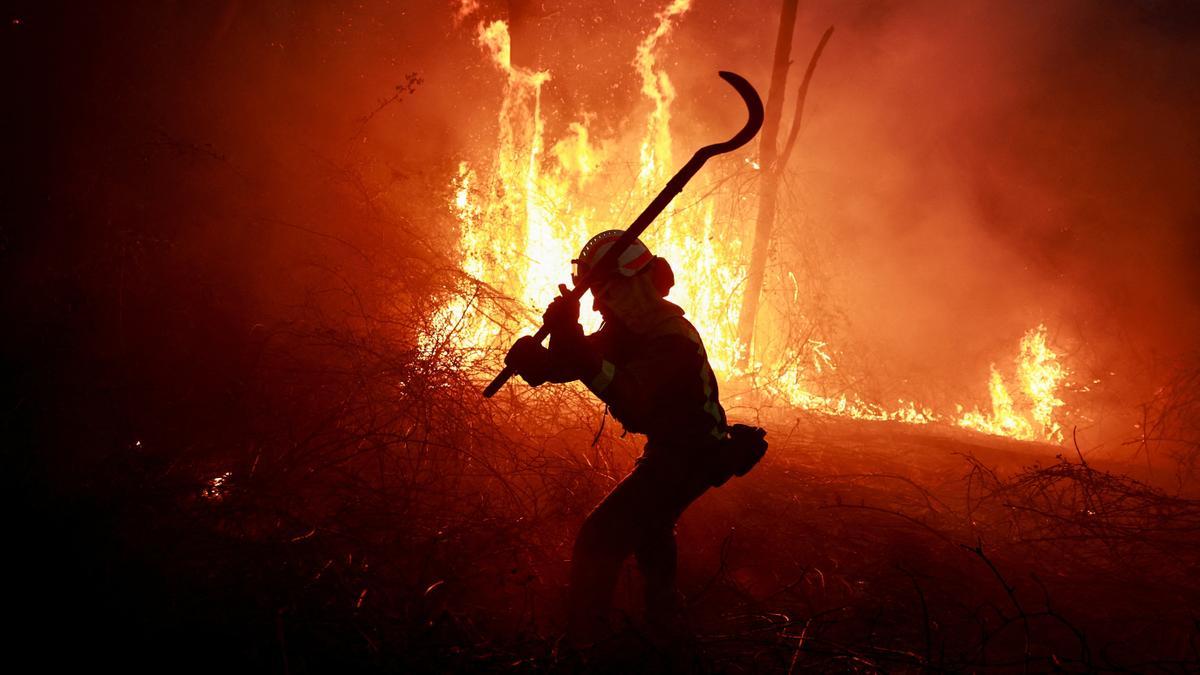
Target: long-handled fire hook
x=754 y=120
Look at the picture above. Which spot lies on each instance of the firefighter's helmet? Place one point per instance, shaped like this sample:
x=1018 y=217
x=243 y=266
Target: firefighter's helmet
x=635 y=260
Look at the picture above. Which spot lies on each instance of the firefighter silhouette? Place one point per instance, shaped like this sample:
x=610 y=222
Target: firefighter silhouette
x=648 y=363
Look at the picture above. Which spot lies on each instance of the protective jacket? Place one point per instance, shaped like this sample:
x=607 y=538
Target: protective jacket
x=656 y=381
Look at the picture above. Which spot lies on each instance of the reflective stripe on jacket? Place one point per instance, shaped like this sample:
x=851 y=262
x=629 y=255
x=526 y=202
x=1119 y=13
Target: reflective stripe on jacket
x=658 y=382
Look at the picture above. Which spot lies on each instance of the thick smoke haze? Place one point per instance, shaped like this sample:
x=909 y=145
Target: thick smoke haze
x=965 y=172
x=978 y=168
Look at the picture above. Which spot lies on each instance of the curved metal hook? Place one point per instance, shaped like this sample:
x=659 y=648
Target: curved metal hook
x=754 y=119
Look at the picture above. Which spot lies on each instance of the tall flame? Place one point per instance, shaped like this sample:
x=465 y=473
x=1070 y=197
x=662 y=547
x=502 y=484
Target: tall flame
x=656 y=85
x=529 y=213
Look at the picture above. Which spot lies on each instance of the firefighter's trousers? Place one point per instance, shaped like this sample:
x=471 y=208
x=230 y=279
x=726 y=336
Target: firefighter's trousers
x=638 y=517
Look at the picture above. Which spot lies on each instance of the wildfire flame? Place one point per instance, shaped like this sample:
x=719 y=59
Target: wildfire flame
x=520 y=225
x=1040 y=375
x=523 y=217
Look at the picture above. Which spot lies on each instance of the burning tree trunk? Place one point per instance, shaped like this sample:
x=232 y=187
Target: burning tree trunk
x=770 y=178
x=771 y=164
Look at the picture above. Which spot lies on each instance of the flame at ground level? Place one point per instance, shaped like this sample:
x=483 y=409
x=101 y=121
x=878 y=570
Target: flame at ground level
x=1040 y=375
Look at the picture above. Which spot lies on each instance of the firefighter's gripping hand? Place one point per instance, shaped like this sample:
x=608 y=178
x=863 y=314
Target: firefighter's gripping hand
x=528 y=358
x=562 y=316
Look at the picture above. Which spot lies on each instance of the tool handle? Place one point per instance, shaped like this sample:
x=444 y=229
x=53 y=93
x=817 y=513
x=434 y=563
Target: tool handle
x=509 y=371
x=499 y=381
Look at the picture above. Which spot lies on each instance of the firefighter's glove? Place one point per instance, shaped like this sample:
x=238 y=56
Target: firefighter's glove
x=562 y=316
x=529 y=359
x=567 y=344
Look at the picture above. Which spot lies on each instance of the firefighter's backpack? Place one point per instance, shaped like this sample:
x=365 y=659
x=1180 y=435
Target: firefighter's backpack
x=737 y=453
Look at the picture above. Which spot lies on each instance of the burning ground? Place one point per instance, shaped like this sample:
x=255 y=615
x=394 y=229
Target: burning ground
x=259 y=261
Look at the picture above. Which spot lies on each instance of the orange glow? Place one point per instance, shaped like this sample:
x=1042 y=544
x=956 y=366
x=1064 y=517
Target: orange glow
x=526 y=214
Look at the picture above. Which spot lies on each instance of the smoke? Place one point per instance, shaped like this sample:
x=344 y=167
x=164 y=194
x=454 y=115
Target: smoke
x=1033 y=162
x=973 y=169
x=990 y=166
